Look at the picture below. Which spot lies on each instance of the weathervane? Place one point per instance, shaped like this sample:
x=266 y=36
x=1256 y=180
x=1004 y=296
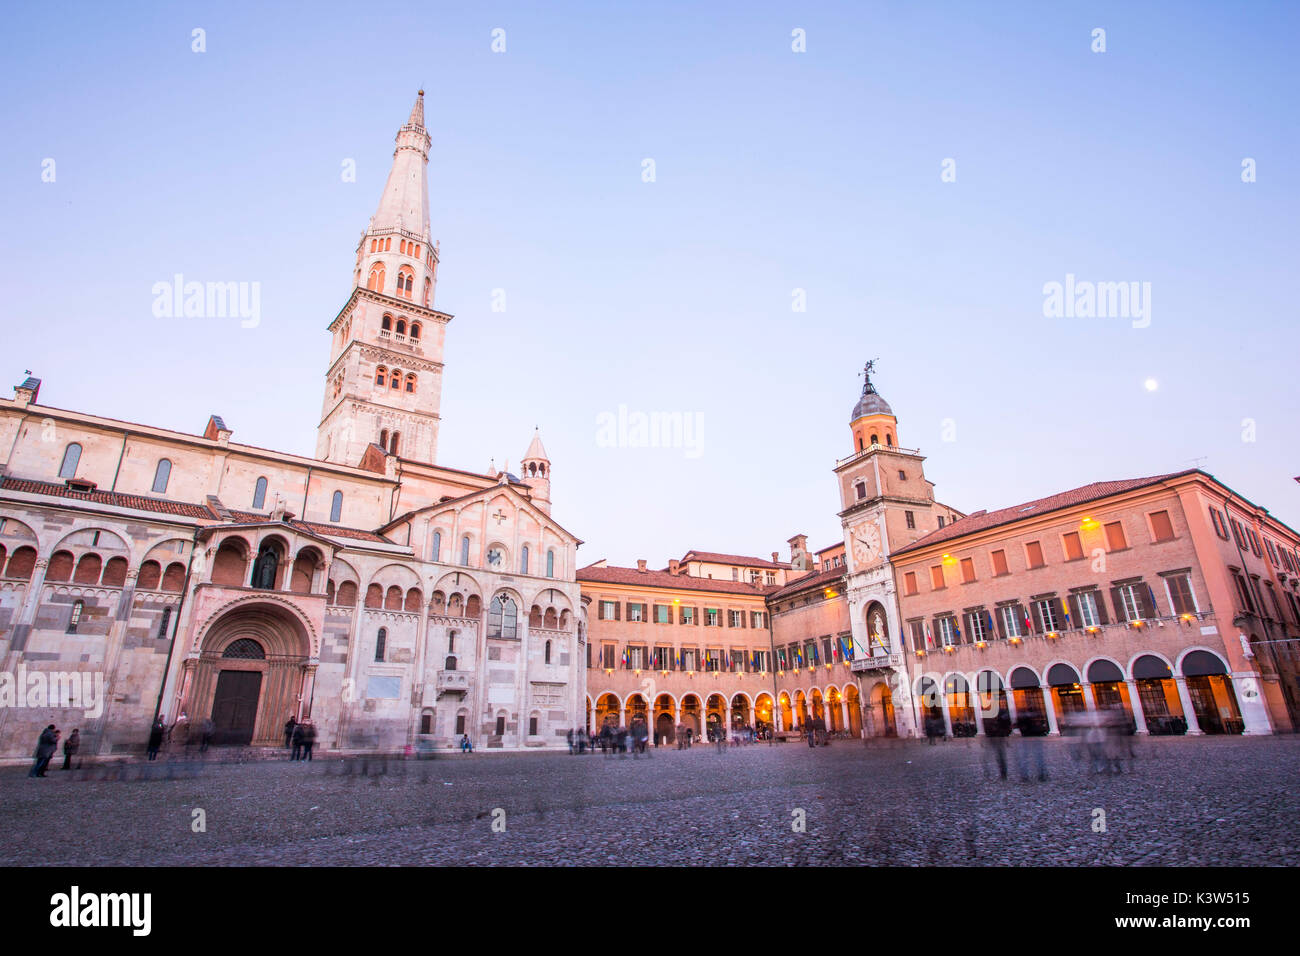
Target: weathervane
x=867 y=369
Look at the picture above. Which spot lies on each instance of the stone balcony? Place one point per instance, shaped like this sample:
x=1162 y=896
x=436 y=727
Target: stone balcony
x=452 y=682
x=876 y=663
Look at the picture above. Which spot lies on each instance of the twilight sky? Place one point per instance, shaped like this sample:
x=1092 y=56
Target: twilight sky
x=774 y=171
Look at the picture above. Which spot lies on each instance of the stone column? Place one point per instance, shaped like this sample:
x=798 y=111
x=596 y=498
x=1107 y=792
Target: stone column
x=1011 y=705
x=1136 y=703
x=1052 y=727
x=1189 y=712
x=947 y=717
x=1089 y=701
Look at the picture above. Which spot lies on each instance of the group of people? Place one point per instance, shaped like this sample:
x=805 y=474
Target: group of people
x=814 y=729
x=47 y=744
x=300 y=737
x=612 y=739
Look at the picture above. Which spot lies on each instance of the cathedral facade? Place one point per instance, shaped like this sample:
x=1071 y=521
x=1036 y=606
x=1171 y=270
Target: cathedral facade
x=389 y=600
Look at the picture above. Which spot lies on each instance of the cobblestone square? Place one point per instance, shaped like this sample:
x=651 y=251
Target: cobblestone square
x=1222 y=801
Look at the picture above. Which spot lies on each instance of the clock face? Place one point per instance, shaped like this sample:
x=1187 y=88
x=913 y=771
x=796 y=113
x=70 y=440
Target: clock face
x=496 y=557
x=866 y=543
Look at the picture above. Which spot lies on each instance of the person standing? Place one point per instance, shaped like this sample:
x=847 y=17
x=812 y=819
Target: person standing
x=995 y=738
x=46 y=744
x=308 y=739
x=156 y=733
x=1031 y=746
x=288 y=732
x=296 y=739
x=209 y=728
x=70 y=748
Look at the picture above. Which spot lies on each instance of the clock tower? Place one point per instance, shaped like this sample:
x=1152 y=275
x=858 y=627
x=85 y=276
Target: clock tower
x=886 y=503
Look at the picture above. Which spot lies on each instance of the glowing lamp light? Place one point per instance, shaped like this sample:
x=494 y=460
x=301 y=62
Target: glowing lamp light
x=1053 y=634
x=1014 y=640
x=1136 y=623
x=981 y=644
x=949 y=560
x=1093 y=630
x=1187 y=617
x=1087 y=524
x=920 y=653
x=947 y=648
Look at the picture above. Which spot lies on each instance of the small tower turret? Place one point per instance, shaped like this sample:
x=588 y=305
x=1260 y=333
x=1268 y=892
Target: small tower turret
x=536 y=472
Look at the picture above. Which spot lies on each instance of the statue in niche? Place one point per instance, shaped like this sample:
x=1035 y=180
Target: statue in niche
x=264 y=568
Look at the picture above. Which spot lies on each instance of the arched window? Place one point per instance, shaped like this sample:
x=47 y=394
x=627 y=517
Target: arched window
x=383 y=438
x=244 y=649
x=436 y=551
x=336 y=507
x=451 y=645
x=428 y=291
x=381 y=374
x=75 y=619
x=372 y=244
x=386 y=323
x=464 y=550
x=889 y=439
x=875 y=439
x=410 y=382
x=503 y=618
x=523 y=560
x=380 y=641
x=71 y=456
x=548 y=652
x=376 y=281
x=550 y=564
x=161 y=474
x=450 y=663
x=259 y=493
x=415 y=329
x=405 y=282
x=401 y=326
x=392 y=443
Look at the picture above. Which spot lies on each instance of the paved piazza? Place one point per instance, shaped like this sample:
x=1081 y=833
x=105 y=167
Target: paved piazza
x=1227 y=801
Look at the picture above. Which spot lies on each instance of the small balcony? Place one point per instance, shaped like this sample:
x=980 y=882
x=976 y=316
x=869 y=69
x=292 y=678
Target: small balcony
x=877 y=662
x=452 y=682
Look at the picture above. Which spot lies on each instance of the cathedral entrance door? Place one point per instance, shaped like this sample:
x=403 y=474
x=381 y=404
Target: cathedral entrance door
x=234 y=706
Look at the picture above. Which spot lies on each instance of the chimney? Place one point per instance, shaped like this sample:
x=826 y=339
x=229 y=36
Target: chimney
x=776 y=557
x=673 y=565
x=640 y=564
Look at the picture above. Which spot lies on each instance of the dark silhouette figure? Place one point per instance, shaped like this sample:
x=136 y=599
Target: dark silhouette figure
x=70 y=748
x=46 y=744
x=156 y=733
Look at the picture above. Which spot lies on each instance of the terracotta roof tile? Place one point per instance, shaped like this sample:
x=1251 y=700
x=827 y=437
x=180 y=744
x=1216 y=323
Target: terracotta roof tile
x=819 y=579
x=717 y=557
x=137 y=502
x=327 y=530
x=982 y=520
x=662 y=579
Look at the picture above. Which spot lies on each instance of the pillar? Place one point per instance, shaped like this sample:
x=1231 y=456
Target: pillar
x=1250 y=701
x=1136 y=703
x=947 y=717
x=1052 y=727
x=1189 y=712
x=1089 y=701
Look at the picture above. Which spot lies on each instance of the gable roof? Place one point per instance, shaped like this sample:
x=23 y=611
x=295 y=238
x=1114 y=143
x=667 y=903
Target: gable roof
x=983 y=520
x=816 y=580
x=663 y=579
x=717 y=557
x=510 y=487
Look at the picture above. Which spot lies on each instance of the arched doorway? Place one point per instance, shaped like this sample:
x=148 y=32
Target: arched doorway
x=1109 y=690
x=1158 y=695
x=818 y=711
x=834 y=715
x=251 y=675
x=764 y=714
x=961 y=712
x=991 y=696
x=1213 y=698
x=715 y=717
x=636 y=710
x=1067 y=695
x=787 y=712
x=740 y=716
x=853 y=703
x=691 y=714
x=608 y=710
x=665 y=722
x=801 y=709
x=1027 y=693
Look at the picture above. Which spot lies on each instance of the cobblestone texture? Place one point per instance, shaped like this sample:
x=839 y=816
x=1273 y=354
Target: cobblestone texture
x=1226 y=801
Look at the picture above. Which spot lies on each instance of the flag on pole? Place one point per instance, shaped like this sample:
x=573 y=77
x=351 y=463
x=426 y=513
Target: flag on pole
x=929 y=637
x=1154 y=606
x=1066 y=608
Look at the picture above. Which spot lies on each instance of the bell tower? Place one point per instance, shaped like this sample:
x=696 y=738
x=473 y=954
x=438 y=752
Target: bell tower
x=536 y=472
x=384 y=382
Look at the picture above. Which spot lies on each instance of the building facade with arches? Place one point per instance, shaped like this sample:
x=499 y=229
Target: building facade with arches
x=388 y=598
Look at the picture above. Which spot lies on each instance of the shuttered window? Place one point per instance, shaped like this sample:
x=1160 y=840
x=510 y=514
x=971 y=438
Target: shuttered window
x=1073 y=546
x=936 y=577
x=1034 y=554
x=1161 y=527
x=967 y=570
x=1115 y=539
x=1181 y=597
x=909 y=582
x=999 y=562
